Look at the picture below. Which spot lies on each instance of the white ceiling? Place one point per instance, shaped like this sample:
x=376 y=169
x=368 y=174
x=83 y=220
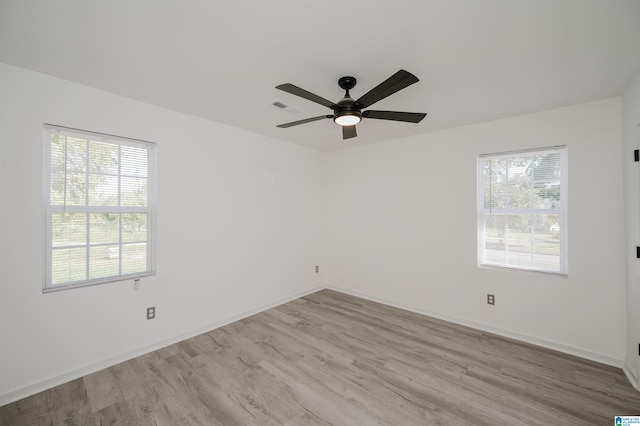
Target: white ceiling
x=221 y=60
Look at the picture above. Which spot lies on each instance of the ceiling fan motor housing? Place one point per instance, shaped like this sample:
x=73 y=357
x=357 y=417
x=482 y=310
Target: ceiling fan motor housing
x=347 y=106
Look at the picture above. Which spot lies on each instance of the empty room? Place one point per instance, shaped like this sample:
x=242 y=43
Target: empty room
x=319 y=213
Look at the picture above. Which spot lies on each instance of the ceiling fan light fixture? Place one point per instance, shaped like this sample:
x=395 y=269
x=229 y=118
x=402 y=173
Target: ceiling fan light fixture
x=347 y=118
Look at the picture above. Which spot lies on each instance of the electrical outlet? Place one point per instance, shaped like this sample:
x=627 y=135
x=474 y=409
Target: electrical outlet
x=151 y=312
x=317 y=268
x=136 y=284
x=491 y=299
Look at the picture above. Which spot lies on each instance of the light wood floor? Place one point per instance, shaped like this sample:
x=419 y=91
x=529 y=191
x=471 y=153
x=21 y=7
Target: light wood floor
x=330 y=358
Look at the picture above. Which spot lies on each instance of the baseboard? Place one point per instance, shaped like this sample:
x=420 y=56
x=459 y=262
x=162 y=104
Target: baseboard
x=59 y=379
x=633 y=379
x=579 y=352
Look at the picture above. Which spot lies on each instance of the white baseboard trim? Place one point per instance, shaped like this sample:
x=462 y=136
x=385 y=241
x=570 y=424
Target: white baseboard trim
x=62 y=378
x=633 y=379
x=572 y=350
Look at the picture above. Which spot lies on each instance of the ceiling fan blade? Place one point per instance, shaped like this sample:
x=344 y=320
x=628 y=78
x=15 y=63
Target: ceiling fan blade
x=396 y=82
x=306 y=120
x=411 y=117
x=295 y=90
x=349 y=132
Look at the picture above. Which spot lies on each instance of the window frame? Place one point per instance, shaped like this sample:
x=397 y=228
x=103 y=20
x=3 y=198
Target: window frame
x=49 y=210
x=561 y=210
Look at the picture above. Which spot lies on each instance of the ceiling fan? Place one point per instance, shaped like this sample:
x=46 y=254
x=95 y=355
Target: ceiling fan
x=348 y=112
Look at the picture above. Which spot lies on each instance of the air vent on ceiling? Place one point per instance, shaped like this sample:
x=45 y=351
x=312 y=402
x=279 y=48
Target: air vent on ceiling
x=281 y=105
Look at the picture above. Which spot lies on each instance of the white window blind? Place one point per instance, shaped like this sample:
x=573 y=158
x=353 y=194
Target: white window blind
x=99 y=201
x=522 y=210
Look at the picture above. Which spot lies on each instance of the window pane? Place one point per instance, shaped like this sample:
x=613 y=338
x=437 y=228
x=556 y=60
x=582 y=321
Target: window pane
x=519 y=195
x=76 y=189
x=76 y=155
x=518 y=258
x=134 y=228
x=57 y=165
x=547 y=167
x=495 y=184
x=546 y=195
x=103 y=190
x=554 y=228
x=519 y=169
x=57 y=151
x=546 y=255
x=56 y=190
x=102 y=262
x=494 y=239
x=519 y=227
x=495 y=226
x=518 y=241
x=133 y=192
x=103 y=157
x=497 y=170
x=134 y=258
x=496 y=197
x=547 y=227
x=68 y=265
x=69 y=229
x=105 y=228
x=134 y=161
x=495 y=252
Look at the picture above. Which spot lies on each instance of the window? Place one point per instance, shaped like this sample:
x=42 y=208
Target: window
x=99 y=195
x=522 y=210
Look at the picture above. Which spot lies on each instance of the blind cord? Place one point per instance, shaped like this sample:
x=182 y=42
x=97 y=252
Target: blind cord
x=64 y=201
x=490 y=186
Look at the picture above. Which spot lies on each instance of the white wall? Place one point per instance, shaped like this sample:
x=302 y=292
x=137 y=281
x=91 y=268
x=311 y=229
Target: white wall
x=401 y=228
x=631 y=134
x=238 y=229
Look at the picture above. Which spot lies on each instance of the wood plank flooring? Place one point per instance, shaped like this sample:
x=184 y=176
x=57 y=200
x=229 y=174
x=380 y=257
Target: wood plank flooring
x=334 y=359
